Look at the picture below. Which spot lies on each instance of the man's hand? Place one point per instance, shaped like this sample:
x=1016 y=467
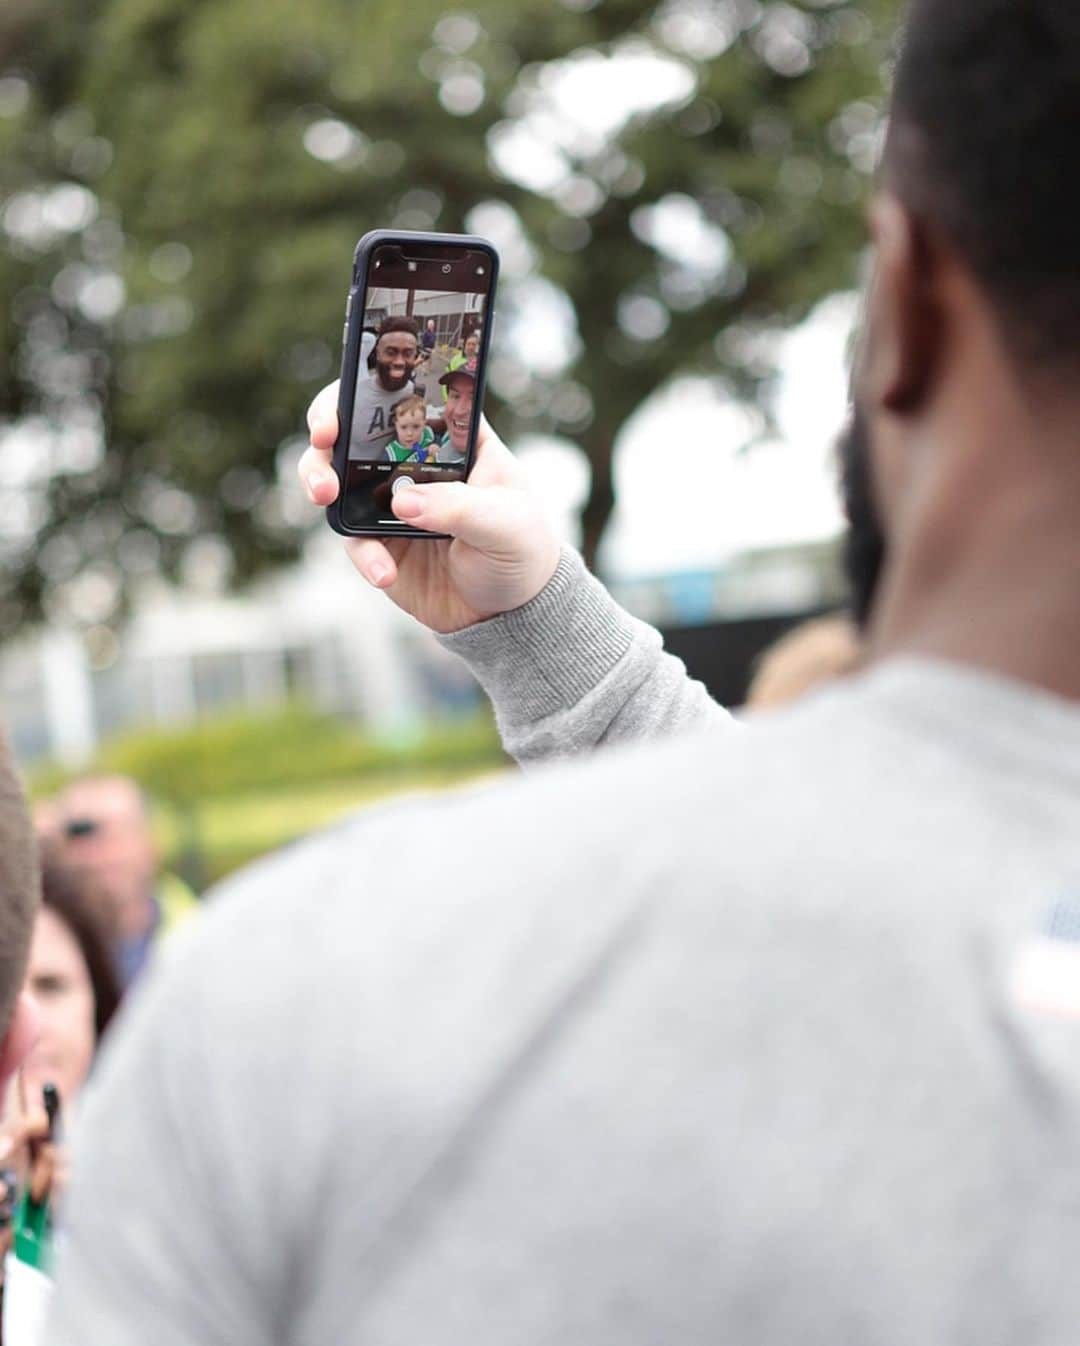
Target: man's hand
x=502 y=551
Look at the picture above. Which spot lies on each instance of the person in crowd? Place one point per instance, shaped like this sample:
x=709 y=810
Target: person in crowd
x=393 y=361
x=428 y=339
x=102 y=831
x=369 y=337
x=413 y=437
x=469 y=354
x=465 y=357
x=812 y=655
x=459 y=389
x=761 y=1031
x=73 y=986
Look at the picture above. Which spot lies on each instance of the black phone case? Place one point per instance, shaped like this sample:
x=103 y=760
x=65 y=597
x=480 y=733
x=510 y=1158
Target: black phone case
x=350 y=361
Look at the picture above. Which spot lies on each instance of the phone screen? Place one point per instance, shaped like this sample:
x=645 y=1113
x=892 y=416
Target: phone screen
x=415 y=407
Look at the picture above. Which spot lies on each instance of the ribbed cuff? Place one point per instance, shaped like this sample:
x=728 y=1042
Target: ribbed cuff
x=547 y=655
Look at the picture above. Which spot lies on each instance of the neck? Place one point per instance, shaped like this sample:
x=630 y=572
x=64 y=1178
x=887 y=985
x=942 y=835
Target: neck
x=991 y=574
x=136 y=918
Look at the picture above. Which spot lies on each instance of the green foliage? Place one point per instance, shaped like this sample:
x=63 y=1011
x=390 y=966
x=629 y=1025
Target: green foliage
x=186 y=120
x=294 y=750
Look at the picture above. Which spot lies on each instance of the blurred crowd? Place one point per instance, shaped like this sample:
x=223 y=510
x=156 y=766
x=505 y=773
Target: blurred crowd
x=107 y=904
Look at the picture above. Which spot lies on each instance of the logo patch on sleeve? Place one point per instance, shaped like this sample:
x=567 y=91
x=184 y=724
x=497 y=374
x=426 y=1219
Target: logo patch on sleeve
x=1046 y=973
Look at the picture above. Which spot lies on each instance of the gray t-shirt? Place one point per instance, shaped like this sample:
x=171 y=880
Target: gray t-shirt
x=758 y=1034
x=371 y=426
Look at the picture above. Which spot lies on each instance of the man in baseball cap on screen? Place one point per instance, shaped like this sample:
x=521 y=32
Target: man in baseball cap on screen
x=460 y=385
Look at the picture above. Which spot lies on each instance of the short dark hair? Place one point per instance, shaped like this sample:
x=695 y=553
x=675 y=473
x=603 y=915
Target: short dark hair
x=63 y=893
x=984 y=127
x=389 y=325
x=20 y=884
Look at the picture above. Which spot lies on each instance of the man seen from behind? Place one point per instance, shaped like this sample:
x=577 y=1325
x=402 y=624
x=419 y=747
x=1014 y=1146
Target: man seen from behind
x=761 y=1033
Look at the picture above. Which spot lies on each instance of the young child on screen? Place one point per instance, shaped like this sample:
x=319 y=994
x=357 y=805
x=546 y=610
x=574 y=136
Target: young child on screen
x=413 y=437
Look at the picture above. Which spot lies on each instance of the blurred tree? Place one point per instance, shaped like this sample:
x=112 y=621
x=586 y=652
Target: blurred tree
x=182 y=183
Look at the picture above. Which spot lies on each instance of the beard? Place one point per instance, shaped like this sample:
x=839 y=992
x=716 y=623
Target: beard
x=391 y=382
x=864 y=546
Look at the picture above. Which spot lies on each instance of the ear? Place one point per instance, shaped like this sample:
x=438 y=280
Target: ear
x=19 y=1040
x=905 y=319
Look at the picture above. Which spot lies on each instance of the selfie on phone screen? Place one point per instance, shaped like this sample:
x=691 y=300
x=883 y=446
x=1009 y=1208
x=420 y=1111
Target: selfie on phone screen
x=419 y=371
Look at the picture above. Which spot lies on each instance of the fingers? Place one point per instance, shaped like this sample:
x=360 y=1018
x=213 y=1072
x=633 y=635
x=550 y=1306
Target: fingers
x=495 y=465
x=43 y=1173
x=25 y=1128
x=318 y=476
x=490 y=518
x=322 y=414
x=373 y=560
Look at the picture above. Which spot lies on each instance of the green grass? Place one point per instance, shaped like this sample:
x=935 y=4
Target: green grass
x=229 y=789
x=282 y=749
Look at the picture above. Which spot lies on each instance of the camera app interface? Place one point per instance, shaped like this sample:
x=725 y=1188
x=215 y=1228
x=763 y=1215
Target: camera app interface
x=414 y=410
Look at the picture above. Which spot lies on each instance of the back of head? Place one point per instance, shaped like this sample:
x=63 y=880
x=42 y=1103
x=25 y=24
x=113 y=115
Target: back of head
x=981 y=145
x=19 y=884
x=64 y=892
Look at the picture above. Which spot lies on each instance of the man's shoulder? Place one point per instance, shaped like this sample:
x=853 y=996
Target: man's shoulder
x=529 y=838
x=847 y=783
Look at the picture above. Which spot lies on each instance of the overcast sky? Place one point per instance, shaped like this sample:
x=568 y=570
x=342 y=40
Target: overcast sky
x=721 y=498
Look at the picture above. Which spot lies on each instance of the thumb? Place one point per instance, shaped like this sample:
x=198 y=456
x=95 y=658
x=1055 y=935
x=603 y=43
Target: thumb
x=489 y=518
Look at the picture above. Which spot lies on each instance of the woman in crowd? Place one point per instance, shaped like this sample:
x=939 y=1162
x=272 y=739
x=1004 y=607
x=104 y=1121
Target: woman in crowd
x=71 y=979
x=465 y=357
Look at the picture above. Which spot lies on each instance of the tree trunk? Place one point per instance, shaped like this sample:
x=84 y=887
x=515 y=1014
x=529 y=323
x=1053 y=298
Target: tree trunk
x=601 y=498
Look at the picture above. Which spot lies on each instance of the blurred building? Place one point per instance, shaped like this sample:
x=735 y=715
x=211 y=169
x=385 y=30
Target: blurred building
x=314 y=633
x=720 y=621
x=758 y=582
x=318 y=634
x=452 y=312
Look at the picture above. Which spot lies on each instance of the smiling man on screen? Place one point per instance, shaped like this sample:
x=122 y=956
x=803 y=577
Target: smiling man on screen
x=395 y=357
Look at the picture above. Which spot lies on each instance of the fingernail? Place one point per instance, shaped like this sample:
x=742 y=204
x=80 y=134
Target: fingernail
x=409 y=502
x=315 y=480
x=378 y=573
x=7 y=1145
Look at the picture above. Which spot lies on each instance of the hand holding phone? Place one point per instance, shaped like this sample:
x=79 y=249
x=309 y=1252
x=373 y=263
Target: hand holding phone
x=395 y=441
x=501 y=551
x=416 y=338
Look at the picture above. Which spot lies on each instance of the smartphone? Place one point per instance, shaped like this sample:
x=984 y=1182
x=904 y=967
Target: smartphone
x=416 y=339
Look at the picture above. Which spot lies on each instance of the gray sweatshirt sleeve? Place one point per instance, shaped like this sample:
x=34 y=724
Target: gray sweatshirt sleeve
x=572 y=670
